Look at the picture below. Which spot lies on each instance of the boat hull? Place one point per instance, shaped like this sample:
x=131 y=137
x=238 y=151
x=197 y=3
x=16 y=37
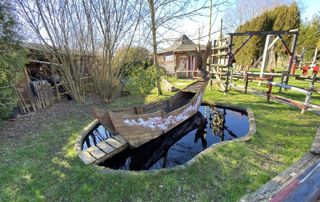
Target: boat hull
x=139 y=128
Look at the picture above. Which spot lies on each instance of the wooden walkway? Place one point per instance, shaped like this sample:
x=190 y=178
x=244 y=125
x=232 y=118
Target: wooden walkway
x=103 y=150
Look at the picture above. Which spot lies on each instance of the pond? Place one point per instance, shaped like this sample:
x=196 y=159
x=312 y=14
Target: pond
x=209 y=126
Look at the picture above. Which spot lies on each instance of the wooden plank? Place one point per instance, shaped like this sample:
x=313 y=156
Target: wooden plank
x=120 y=139
x=264 y=33
x=105 y=147
x=116 y=151
x=86 y=157
x=315 y=148
x=23 y=102
x=300 y=90
x=96 y=152
x=114 y=143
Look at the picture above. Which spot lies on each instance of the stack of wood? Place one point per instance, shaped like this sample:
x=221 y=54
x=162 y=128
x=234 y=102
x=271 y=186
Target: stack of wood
x=35 y=95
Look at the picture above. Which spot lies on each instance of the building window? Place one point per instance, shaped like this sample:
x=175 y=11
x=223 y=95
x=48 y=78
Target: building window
x=168 y=58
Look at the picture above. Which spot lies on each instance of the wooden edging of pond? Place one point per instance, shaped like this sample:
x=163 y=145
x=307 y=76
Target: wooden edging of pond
x=247 y=137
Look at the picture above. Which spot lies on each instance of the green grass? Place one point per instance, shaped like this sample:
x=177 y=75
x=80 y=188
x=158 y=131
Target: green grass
x=287 y=93
x=44 y=166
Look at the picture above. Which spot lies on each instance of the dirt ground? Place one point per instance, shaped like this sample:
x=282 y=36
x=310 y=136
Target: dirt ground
x=22 y=125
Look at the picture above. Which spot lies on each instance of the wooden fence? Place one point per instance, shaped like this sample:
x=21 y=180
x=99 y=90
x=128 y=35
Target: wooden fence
x=35 y=95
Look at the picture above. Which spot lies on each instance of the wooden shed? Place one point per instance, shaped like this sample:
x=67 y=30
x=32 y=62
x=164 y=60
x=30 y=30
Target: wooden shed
x=180 y=58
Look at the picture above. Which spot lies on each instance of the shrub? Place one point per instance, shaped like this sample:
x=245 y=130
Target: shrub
x=12 y=60
x=143 y=79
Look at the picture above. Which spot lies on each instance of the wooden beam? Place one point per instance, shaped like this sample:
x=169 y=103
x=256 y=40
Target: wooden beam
x=230 y=63
x=265 y=56
x=269 y=47
x=264 y=33
x=243 y=44
x=293 y=49
x=44 y=62
x=289 y=87
x=285 y=45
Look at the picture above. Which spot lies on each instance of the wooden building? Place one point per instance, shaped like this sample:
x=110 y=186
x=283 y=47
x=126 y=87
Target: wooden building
x=180 y=58
x=42 y=83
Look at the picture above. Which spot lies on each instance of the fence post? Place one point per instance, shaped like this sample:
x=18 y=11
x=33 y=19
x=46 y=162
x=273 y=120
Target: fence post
x=313 y=79
x=270 y=79
x=282 y=79
x=246 y=82
x=53 y=71
x=307 y=101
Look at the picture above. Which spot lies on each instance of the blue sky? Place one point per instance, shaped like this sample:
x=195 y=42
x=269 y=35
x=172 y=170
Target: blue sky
x=190 y=27
x=311 y=7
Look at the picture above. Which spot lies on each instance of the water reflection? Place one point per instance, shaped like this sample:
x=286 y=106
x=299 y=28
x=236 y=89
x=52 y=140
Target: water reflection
x=209 y=126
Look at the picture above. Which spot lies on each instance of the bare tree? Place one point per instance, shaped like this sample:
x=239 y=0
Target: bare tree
x=84 y=35
x=116 y=23
x=154 y=42
x=53 y=22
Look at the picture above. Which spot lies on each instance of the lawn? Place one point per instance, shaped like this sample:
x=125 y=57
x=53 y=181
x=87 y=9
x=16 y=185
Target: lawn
x=43 y=166
x=287 y=93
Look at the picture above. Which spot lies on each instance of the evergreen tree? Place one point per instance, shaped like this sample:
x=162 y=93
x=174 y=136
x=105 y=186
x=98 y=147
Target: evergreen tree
x=309 y=36
x=12 y=59
x=280 y=18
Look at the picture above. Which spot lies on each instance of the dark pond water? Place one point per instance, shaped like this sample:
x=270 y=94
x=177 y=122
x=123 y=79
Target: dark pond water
x=209 y=126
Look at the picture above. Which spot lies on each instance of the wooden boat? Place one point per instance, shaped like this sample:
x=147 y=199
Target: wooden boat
x=140 y=124
x=146 y=156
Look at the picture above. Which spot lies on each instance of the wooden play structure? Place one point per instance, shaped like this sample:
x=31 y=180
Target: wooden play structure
x=267 y=78
x=272 y=37
x=217 y=66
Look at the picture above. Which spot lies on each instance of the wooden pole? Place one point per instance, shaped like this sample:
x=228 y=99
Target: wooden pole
x=302 y=57
x=53 y=70
x=269 y=88
x=314 y=61
x=281 y=81
x=293 y=49
x=230 y=62
x=307 y=101
x=313 y=79
x=265 y=56
x=269 y=48
x=246 y=82
x=300 y=90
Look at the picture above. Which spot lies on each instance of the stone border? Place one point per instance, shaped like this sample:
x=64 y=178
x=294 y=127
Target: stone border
x=247 y=137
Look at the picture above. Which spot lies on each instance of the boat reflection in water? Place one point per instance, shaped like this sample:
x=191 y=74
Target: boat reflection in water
x=209 y=126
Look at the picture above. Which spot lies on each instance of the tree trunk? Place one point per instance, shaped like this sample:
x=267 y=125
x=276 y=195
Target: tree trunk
x=154 y=43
